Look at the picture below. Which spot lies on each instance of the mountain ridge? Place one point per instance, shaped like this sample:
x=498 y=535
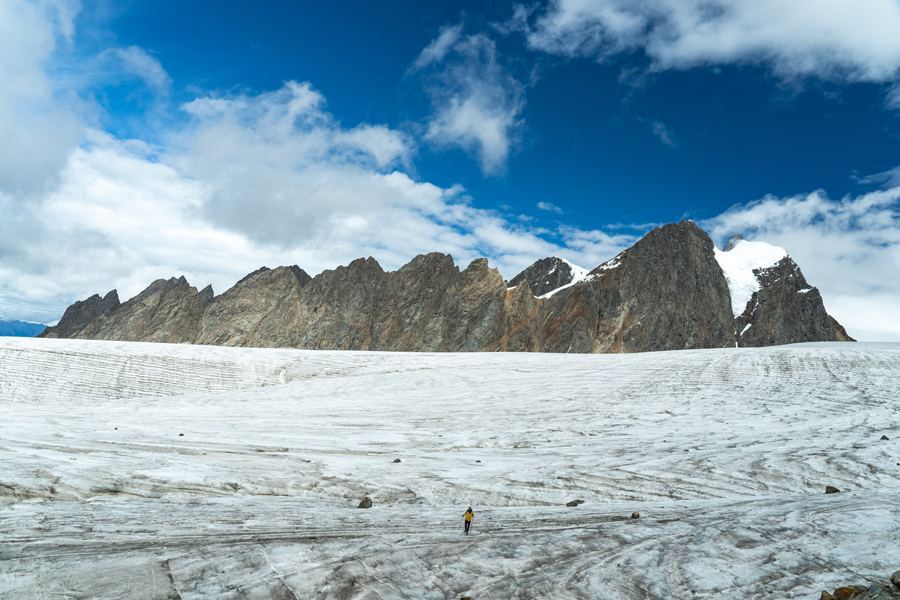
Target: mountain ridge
x=666 y=292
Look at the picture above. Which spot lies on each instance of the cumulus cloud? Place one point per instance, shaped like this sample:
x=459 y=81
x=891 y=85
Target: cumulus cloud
x=477 y=101
x=263 y=179
x=840 y=40
x=848 y=248
x=37 y=129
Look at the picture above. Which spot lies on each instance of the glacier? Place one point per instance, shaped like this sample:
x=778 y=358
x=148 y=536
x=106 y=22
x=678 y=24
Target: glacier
x=135 y=470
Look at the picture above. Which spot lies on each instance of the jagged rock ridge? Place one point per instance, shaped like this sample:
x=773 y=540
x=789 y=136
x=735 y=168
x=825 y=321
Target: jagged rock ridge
x=666 y=292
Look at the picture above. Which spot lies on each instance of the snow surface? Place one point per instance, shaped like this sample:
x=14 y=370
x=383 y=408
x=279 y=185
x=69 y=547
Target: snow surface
x=725 y=453
x=738 y=264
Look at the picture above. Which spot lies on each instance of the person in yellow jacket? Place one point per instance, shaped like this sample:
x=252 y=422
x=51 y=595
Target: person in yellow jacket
x=468 y=515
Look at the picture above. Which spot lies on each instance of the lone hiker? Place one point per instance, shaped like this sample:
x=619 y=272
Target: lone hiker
x=468 y=515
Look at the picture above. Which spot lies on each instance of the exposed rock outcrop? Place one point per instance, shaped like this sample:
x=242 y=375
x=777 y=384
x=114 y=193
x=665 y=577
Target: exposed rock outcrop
x=771 y=300
x=78 y=316
x=667 y=292
x=547 y=274
x=786 y=310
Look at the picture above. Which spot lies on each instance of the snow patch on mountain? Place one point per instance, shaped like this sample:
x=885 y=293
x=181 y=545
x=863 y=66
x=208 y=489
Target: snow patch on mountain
x=579 y=274
x=738 y=264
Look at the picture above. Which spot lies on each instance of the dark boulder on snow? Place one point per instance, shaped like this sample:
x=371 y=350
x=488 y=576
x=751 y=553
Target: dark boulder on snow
x=830 y=489
x=574 y=502
x=366 y=503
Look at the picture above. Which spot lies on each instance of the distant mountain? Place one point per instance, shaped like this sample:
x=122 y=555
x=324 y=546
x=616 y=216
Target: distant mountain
x=20 y=329
x=671 y=290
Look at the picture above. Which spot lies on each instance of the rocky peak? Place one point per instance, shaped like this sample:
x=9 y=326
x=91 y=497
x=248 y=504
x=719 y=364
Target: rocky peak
x=772 y=302
x=666 y=292
x=207 y=295
x=160 y=285
x=81 y=313
x=302 y=276
x=250 y=276
x=785 y=310
x=548 y=274
x=735 y=239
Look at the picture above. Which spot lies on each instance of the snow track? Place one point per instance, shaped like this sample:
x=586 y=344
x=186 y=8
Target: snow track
x=726 y=454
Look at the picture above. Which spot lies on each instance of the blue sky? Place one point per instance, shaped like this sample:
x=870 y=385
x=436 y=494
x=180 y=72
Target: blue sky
x=149 y=139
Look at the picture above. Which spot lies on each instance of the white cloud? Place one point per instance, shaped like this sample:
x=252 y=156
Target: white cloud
x=477 y=102
x=257 y=180
x=138 y=62
x=438 y=48
x=849 y=249
x=663 y=133
x=887 y=179
x=37 y=130
x=840 y=40
x=549 y=206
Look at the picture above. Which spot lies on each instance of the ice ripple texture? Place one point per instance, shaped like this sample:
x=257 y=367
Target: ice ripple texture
x=167 y=471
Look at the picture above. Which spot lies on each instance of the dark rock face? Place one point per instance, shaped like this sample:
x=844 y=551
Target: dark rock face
x=735 y=239
x=786 y=310
x=667 y=292
x=79 y=315
x=545 y=275
x=169 y=310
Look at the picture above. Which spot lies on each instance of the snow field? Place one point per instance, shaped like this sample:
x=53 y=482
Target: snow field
x=725 y=453
x=738 y=264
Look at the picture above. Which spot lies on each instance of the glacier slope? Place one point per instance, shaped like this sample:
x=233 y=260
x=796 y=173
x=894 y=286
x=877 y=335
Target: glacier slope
x=724 y=452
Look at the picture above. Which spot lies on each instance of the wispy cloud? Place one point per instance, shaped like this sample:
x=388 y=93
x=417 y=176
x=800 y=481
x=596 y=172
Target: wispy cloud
x=137 y=62
x=885 y=180
x=549 y=206
x=477 y=102
x=437 y=50
x=661 y=132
